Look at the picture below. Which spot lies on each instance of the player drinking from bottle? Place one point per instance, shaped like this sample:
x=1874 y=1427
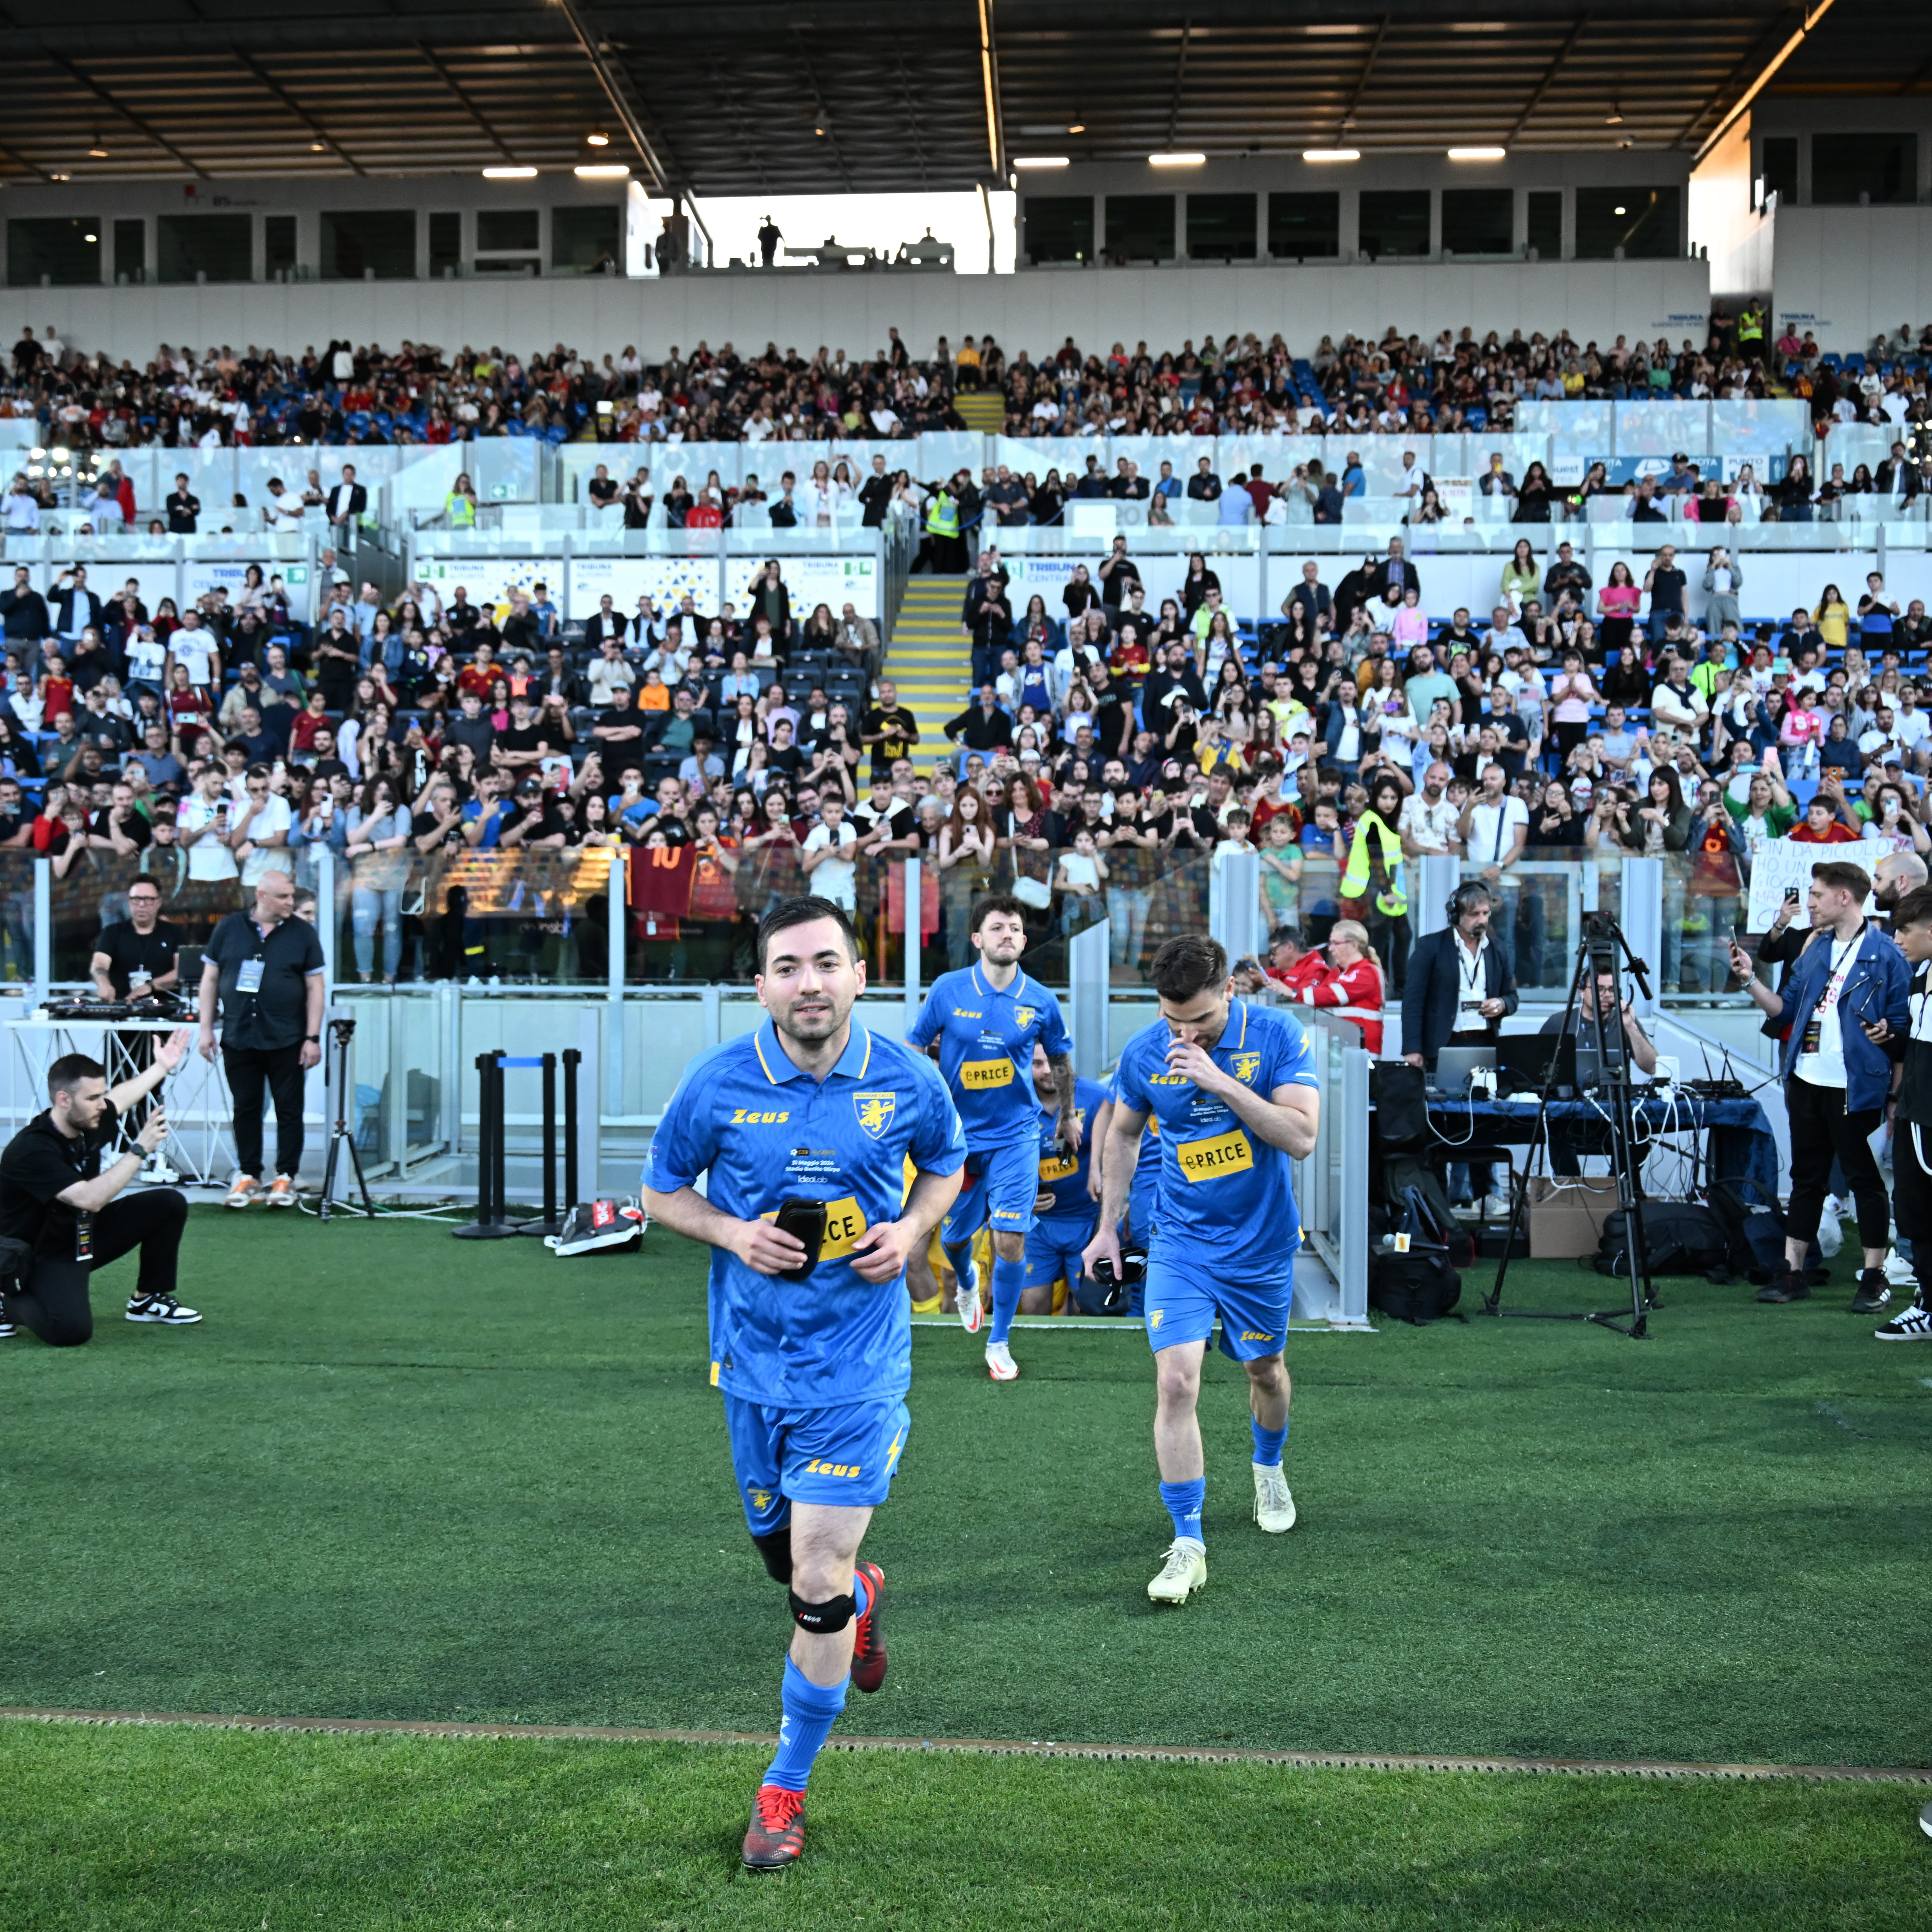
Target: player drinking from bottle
x=805 y=1127
x=1232 y=1086
x=981 y=1025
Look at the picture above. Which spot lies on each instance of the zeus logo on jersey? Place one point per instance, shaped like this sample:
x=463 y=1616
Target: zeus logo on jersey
x=875 y=1111
x=743 y=1116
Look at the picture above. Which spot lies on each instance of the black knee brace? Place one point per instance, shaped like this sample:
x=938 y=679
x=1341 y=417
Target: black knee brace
x=775 y=1548
x=822 y=1619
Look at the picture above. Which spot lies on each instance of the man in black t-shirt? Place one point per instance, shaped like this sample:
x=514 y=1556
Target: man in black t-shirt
x=183 y=507
x=139 y=955
x=55 y=1200
x=267 y=969
x=890 y=729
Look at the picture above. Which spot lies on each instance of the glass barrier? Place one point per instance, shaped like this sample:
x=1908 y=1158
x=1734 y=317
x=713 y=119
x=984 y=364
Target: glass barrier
x=1537 y=917
x=1706 y=903
x=88 y=889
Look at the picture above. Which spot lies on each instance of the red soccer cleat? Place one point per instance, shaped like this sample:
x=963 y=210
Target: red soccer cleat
x=868 y=1639
x=777 y=1836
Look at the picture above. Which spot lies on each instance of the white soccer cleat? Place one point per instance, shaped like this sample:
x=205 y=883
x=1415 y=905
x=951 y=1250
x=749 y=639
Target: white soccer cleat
x=972 y=1316
x=1274 y=1507
x=1000 y=1363
x=1185 y=1572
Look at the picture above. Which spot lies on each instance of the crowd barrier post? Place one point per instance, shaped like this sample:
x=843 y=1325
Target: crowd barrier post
x=550 y=1222
x=489 y=1225
x=1088 y=970
x=1233 y=903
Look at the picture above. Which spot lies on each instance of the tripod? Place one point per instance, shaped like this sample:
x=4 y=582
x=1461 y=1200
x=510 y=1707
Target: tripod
x=341 y=1033
x=1603 y=1066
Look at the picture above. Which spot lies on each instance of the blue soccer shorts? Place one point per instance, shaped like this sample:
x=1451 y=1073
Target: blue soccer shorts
x=1001 y=1186
x=1183 y=1296
x=845 y=1455
x=1053 y=1249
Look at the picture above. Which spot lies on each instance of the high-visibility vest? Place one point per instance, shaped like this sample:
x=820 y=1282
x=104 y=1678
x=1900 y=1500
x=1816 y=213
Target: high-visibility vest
x=461 y=511
x=1391 y=900
x=1750 y=325
x=942 y=515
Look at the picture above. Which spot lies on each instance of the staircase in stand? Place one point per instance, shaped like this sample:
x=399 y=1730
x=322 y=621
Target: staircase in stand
x=982 y=409
x=929 y=661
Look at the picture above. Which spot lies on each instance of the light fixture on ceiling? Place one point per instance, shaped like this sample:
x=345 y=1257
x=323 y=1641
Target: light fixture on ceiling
x=1478 y=154
x=1615 y=118
x=597 y=140
x=1619 y=210
x=1078 y=127
x=1039 y=160
x=96 y=152
x=60 y=177
x=820 y=132
x=1176 y=161
x=90 y=238
x=509 y=174
x=1331 y=154
x=318 y=147
x=603 y=171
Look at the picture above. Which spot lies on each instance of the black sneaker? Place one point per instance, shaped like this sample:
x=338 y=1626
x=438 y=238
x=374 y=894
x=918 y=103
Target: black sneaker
x=1873 y=1292
x=162 y=1308
x=1788 y=1285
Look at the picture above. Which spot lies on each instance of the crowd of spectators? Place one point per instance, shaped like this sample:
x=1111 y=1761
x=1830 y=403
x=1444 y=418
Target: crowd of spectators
x=1233 y=385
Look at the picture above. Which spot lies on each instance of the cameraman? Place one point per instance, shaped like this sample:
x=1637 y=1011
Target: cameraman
x=55 y=1198
x=267 y=967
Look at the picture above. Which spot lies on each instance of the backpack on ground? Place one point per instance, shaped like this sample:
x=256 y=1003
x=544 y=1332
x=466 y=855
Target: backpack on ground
x=1410 y=1278
x=1753 y=1227
x=593 y=1225
x=1680 y=1238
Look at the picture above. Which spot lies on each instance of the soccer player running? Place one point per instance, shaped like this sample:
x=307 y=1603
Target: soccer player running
x=1069 y=1185
x=811 y=1118
x=1233 y=1088
x=981 y=1024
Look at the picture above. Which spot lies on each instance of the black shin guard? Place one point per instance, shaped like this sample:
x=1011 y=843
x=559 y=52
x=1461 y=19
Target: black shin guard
x=775 y=1549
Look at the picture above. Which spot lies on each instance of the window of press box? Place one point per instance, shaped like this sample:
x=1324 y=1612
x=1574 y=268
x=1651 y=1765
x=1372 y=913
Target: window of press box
x=1059 y=228
x=204 y=247
x=1847 y=169
x=582 y=240
x=65 y=249
x=130 y=251
x=1140 y=228
x=356 y=242
x=1478 y=220
x=1221 y=227
x=506 y=231
x=1304 y=227
x=1642 y=221
x=1393 y=221
x=1780 y=168
x=445 y=243
x=1544 y=230
x=278 y=245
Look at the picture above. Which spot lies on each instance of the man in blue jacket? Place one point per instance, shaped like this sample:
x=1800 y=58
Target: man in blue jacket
x=1849 y=978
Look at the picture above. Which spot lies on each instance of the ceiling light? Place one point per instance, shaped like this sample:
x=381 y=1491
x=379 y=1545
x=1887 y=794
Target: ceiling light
x=603 y=171
x=1331 y=154
x=1619 y=210
x=1615 y=118
x=820 y=132
x=509 y=174
x=1477 y=154
x=318 y=147
x=597 y=140
x=1078 y=127
x=60 y=178
x=90 y=238
x=1039 y=160
x=97 y=153
x=1176 y=161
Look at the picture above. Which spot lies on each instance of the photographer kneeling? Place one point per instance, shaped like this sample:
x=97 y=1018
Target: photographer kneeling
x=55 y=1199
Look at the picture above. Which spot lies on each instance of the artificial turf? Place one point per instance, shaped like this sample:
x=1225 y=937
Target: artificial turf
x=106 y=1829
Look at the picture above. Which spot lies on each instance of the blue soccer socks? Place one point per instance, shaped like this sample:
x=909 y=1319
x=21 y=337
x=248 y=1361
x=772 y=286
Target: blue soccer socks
x=959 y=1258
x=1268 y=1445
x=1009 y=1283
x=1184 y=1502
x=810 y=1710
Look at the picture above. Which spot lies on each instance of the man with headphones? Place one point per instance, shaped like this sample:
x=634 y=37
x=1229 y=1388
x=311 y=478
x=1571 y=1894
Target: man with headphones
x=1459 y=989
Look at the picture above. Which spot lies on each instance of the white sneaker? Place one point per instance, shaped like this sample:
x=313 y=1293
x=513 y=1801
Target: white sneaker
x=161 y=1308
x=972 y=1316
x=1900 y=1272
x=1274 y=1507
x=242 y=1190
x=1499 y=1208
x=1185 y=1572
x=1909 y=1325
x=1000 y=1363
x=1831 y=1237
x=7 y=1331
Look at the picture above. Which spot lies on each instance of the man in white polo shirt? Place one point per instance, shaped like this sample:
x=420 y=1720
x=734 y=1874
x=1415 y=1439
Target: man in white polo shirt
x=1496 y=828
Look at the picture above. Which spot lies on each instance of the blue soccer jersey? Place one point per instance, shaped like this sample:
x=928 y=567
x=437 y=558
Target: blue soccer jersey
x=1064 y=1178
x=986 y=1050
x=767 y=1133
x=1226 y=1199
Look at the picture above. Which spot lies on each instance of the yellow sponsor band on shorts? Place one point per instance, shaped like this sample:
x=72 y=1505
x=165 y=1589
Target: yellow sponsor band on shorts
x=1209 y=1159
x=986 y=1073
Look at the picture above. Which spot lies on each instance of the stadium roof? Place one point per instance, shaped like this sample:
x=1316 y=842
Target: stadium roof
x=748 y=97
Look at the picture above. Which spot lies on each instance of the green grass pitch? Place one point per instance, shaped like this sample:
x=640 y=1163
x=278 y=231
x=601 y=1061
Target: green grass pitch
x=396 y=1476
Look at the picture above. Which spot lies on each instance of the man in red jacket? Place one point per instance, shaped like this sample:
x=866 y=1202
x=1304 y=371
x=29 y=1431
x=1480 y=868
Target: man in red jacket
x=1289 y=966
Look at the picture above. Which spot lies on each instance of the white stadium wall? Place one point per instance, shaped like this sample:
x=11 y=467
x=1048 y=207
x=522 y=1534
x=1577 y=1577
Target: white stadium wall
x=1035 y=310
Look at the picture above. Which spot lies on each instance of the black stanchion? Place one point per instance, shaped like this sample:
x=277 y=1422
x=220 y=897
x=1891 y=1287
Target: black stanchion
x=572 y=1060
x=551 y=1223
x=489 y=1225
